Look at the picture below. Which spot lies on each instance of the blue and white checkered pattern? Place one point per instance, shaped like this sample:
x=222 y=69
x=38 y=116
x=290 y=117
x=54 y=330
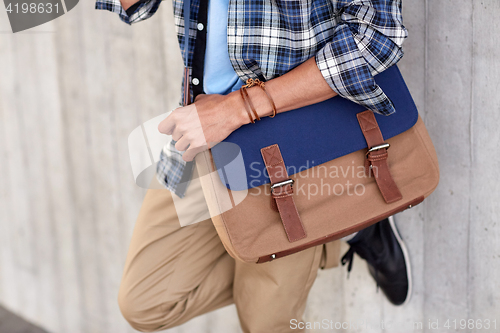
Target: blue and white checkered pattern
x=171 y=167
x=351 y=40
x=144 y=11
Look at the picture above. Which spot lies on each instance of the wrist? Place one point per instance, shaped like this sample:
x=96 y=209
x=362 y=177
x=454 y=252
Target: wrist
x=239 y=113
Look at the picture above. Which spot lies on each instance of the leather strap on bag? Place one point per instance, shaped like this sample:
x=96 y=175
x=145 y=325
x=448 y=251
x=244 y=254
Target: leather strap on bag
x=187 y=78
x=376 y=157
x=282 y=192
x=187 y=90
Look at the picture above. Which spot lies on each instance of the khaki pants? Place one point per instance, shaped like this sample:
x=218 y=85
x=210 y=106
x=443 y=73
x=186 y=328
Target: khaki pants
x=174 y=273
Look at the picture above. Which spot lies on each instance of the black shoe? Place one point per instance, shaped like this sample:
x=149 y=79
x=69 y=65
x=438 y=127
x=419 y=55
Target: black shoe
x=387 y=258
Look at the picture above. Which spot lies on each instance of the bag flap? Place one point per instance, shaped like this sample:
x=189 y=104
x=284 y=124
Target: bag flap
x=309 y=136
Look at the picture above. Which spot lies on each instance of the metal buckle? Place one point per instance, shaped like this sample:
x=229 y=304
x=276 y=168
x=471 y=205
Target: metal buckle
x=283 y=183
x=382 y=146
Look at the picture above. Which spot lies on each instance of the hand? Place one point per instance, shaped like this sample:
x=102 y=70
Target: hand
x=203 y=124
x=212 y=118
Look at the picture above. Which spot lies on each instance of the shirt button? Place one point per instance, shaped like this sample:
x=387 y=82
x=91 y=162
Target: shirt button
x=195 y=81
x=200 y=26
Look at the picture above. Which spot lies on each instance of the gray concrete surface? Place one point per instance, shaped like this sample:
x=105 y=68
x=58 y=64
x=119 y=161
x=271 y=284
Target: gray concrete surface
x=11 y=323
x=72 y=90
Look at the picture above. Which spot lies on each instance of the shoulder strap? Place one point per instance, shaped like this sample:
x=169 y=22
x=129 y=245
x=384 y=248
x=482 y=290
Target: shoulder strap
x=187 y=21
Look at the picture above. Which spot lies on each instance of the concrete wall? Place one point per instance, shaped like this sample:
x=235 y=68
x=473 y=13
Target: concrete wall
x=72 y=90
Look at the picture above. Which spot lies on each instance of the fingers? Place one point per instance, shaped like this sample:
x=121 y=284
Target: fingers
x=182 y=144
x=167 y=125
x=177 y=135
x=184 y=125
x=190 y=154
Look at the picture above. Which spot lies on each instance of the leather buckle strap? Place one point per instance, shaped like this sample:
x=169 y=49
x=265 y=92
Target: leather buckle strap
x=376 y=157
x=282 y=192
x=283 y=183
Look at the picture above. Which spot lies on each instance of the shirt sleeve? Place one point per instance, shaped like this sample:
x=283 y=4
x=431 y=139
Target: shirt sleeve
x=170 y=169
x=140 y=11
x=366 y=41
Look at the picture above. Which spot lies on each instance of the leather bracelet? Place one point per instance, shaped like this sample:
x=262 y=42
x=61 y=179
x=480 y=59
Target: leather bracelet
x=251 y=82
x=247 y=108
x=244 y=92
x=271 y=101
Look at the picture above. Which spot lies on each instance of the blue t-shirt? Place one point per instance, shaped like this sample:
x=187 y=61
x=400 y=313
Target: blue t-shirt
x=219 y=76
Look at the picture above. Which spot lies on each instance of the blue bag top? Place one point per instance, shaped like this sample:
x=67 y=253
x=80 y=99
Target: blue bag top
x=309 y=136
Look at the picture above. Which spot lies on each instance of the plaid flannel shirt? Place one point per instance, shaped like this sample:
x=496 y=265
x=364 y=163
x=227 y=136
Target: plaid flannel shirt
x=351 y=40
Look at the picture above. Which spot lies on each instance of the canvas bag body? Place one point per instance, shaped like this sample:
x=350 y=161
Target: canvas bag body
x=252 y=231
x=333 y=196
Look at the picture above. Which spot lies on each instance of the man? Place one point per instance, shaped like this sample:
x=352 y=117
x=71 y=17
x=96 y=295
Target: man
x=306 y=52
